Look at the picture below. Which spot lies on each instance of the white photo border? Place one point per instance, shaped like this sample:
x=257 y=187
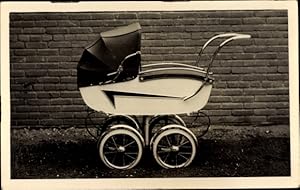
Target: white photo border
x=151 y=183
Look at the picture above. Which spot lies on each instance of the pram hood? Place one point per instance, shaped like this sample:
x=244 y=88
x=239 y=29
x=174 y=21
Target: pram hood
x=105 y=55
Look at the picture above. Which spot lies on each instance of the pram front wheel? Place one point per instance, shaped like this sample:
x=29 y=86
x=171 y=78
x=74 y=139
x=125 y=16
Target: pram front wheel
x=121 y=147
x=174 y=146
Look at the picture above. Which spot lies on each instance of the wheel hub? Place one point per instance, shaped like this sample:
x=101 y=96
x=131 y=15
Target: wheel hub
x=121 y=149
x=174 y=148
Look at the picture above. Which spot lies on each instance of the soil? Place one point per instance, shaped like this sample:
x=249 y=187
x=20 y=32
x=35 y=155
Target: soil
x=225 y=151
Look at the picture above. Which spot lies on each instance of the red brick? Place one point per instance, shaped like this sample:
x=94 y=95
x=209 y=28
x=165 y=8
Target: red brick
x=35 y=38
x=220 y=113
x=256 y=119
x=56 y=30
x=253 y=77
x=58 y=37
x=238 y=84
x=242 y=112
x=35 y=73
x=96 y=16
x=243 y=99
x=58 y=58
x=13 y=38
x=48 y=79
x=48 y=95
x=50 y=108
x=270 y=42
x=265 y=112
x=254 y=20
x=47 y=52
x=57 y=16
x=125 y=15
x=255 y=105
x=68 y=94
x=79 y=30
x=283 y=69
x=279 y=119
x=277 y=20
x=59 y=44
x=24 y=38
x=243 y=70
x=17 y=45
x=232 y=92
x=47 y=66
x=220 y=99
x=26 y=109
x=149 y=15
x=282 y=112
x=73 y=108
x=265 y=13
x=28 y=122
x=61 y=101
x=24 y=52
x=45 y=23
x=277 y=77
x=51 y=122
x=280 y=105
x=66 y=23
x=212 y=106
x=34 y=30
x=230 y=21
x=161 y=50
x=232 y=105
x=15 y=30
x=36 y=45
x=278 y=91
x=184 y=50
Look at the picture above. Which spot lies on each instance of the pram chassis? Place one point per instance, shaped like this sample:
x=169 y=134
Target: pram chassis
x=122 y=138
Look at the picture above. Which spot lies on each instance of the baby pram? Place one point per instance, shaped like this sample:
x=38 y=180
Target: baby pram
x=112 y=80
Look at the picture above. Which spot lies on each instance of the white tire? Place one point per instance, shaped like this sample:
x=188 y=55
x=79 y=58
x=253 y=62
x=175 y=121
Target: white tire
x=174 y=146
x=121 y=147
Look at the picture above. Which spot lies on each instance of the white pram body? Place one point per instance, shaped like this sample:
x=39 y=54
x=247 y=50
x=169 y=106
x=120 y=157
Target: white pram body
x=150 y=97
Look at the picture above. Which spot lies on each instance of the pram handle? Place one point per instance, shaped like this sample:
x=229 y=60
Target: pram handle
x=233 y=36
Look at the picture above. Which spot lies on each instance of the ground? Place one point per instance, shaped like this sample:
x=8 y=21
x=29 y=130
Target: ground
x=225 y=151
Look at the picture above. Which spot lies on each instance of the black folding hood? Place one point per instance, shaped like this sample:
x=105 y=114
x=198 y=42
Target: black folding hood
x=106 y=54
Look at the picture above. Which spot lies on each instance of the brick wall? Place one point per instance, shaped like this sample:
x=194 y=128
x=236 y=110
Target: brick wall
x=251 y=75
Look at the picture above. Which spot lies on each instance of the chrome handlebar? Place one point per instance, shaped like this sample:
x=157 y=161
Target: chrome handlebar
x=233 y=36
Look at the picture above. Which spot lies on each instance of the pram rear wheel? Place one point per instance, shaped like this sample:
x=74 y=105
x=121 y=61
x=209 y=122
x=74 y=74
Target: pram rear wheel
x=160 y=121
x=121 y=147
x=119 y=119
x=174 y=146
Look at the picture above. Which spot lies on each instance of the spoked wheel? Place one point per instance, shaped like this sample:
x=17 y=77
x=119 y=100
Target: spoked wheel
x=121 y=147
x=174 y=146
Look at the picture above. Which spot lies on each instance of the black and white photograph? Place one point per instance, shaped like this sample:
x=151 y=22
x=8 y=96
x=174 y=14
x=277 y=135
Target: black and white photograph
x=119 y=92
